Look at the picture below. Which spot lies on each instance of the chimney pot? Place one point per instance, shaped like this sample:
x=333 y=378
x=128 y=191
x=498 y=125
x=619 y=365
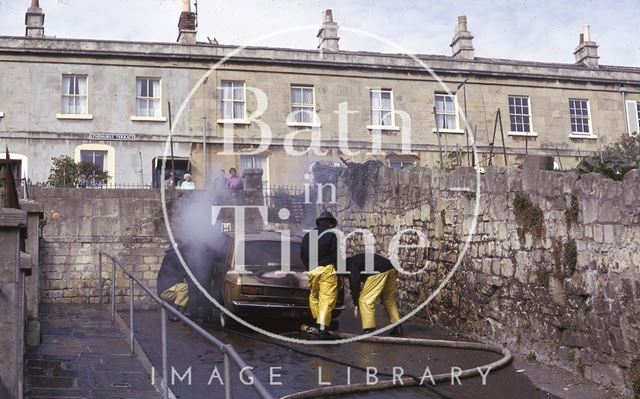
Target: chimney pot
x=581 y=38
x=186 y=5
x=327 y=16
x=462 y=23
x=35 y=4
x=587 y=33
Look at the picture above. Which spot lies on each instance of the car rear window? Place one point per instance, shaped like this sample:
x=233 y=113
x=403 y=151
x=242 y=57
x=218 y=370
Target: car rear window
x=265 y=253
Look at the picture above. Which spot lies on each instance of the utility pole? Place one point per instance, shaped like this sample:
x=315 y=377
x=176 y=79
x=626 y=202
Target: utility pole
x=173 y=164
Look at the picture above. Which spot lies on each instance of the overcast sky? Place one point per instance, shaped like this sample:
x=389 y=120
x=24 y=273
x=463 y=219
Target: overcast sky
x=514 y=29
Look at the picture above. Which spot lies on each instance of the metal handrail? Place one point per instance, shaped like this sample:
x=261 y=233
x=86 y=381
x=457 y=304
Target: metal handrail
x=227 y=350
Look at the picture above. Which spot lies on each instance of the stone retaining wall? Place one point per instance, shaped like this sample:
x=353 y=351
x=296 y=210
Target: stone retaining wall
x=81 y=222
x=552 y=271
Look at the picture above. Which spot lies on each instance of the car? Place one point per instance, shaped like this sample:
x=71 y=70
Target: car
x=266 y=293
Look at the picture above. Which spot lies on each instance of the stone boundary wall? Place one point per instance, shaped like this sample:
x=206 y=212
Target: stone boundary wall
x=552 y=271
x=81 y=222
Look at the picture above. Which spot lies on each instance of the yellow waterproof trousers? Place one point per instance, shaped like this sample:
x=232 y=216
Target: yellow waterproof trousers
x=381 y=285
x=323 y=284
x=178 y=294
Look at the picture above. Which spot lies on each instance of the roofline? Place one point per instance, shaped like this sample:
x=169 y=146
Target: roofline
x=391 y=62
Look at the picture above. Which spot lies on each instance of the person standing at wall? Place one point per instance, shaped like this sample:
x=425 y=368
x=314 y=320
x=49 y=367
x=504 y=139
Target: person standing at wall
x=367 y=288
x=323 y=280
x=234 y=182
x=187 y=183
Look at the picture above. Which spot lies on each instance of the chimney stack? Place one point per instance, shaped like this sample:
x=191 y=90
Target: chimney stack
x=34 y=20
x=328 y=33
x=462 y=43
x=187 y=24
x=587 y=51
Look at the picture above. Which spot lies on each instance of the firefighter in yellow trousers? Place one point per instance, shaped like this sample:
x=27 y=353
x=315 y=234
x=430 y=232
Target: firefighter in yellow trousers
x=323 y=280
x=367 y=288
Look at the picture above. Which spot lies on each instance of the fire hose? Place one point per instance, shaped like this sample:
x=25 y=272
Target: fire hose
x=410 y=380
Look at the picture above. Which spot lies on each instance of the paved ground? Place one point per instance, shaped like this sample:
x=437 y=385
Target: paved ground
x=300 y=370
x=83 y=355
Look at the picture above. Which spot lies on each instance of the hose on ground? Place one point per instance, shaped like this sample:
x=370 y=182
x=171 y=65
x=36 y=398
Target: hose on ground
x=411 y=380
x=323 y=357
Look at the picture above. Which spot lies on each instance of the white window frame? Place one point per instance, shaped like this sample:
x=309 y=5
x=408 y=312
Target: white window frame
x=63 y=115
x=302 y=106
x=581 y=135
x=636 y=116
x=379 y=91
x=222 y=101
x=457 y=129
x=110 y=165
x=158 y=96
x=531 y=132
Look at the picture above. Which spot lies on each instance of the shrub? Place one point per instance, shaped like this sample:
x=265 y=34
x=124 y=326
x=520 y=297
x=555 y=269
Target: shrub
x=65 y=172
x=617 y=158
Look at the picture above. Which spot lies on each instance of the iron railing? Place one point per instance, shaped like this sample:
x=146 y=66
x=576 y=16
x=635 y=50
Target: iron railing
x=228 y=351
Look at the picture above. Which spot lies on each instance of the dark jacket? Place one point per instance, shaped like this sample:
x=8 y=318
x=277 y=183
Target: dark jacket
x=205 y=264
x=171 y=272
x=327 y=248
x=356 y=267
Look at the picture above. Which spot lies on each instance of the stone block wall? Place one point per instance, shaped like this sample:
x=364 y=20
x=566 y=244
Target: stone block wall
x=552 y=269
x=82 y=222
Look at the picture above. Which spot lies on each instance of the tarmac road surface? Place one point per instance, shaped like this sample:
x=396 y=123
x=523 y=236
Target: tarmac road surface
x=296 y=371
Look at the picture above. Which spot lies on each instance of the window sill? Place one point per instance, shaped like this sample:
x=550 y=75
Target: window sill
x=449 y=131
x=233 y=122
x=136 y=118
x=583 y=136
x=80 y=117
x=389 y=128
x=522 y=134
x=302 y=124
x=1 y=114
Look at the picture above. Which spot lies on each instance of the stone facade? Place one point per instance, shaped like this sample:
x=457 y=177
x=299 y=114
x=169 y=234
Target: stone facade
x=552 y=270
x=31 y=123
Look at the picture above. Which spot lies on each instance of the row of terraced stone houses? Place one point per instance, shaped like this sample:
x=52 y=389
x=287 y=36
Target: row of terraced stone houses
x=107 y=102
